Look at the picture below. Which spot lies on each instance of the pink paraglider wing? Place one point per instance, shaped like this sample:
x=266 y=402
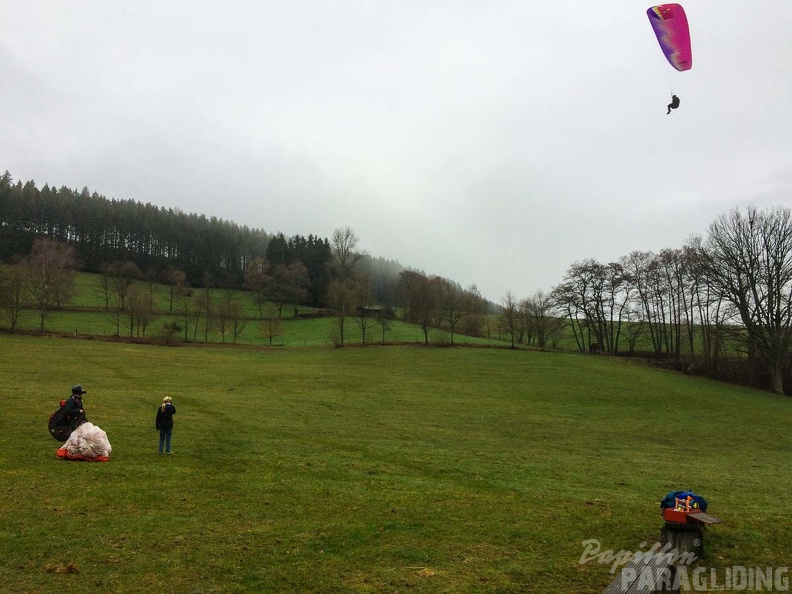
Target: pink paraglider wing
x=671 y=27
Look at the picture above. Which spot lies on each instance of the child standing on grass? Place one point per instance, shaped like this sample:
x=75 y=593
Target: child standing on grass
x=165 y=423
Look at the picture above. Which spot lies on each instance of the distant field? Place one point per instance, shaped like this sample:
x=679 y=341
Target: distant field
x=87 y=314
x=373 y=470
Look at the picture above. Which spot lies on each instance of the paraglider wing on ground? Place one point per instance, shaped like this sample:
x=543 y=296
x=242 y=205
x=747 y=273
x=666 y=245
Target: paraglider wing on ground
x=88 y=442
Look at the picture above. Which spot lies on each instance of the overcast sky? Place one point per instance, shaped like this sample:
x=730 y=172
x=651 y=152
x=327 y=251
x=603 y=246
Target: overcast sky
x=493 y=142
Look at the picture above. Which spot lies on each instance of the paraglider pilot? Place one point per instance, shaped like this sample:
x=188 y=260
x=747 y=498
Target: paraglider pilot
x=75 y=415
x=674 y=103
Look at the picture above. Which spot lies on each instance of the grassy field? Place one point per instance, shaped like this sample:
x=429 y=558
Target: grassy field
x=88 y=314
x=379 y=469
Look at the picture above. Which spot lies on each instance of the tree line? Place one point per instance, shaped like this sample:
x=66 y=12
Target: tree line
x=45 y=280
x=729 y=292
x=210 y=252
x=108 y=230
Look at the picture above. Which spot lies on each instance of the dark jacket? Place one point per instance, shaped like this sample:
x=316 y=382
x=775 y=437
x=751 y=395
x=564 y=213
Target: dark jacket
x=74 y=405
x=165 y=416
x=74 y=418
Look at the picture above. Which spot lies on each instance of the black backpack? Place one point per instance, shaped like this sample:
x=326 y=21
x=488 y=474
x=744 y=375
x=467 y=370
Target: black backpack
x=58 y=425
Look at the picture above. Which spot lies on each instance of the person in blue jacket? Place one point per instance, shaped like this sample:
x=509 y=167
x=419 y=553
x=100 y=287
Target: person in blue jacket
x=164 y=423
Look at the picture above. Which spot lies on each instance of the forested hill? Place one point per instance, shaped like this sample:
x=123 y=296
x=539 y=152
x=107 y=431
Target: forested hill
x=107 y=230
x=210 y=251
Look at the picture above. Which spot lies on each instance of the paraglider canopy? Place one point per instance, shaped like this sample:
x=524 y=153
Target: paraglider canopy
x=671 y=28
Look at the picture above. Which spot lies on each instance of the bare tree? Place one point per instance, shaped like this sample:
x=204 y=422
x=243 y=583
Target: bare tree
x=177 y=283
x=568 y=302
x=238 y=319
x=224 y=309
x=343 y=247
x=423 y=304
x=509 y=316
x=12 y=293
x=229 y=317
x=634 y=329
x=489 y=324
x=475 y=318
x=709 y=308
x=365 y=315
x=119 y=277
x=594 y=296
x=140 y=310
x=543 y=321
x=152 y=282
x=408 y=280
x=672 y=271
x=524 y=322
x=343 y=297
x=190 y=314
x=222 y=320
x=453 y=304
x=272 y=326
x=257 y=276
x=49 y=272
x=383 y=318
x=556 y=331
x=207 y=310
x=287 y=284
x=476 y=303
x=104 y=291
x=749 y=259
x=640 y=269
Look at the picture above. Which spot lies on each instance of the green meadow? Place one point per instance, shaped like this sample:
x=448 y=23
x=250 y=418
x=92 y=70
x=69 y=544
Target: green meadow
x=89 y=313
x=376 y=469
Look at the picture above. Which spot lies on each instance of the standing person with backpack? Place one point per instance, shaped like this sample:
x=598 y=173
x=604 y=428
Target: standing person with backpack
x=73 y=409
x=164 y=423
x=85 y=441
